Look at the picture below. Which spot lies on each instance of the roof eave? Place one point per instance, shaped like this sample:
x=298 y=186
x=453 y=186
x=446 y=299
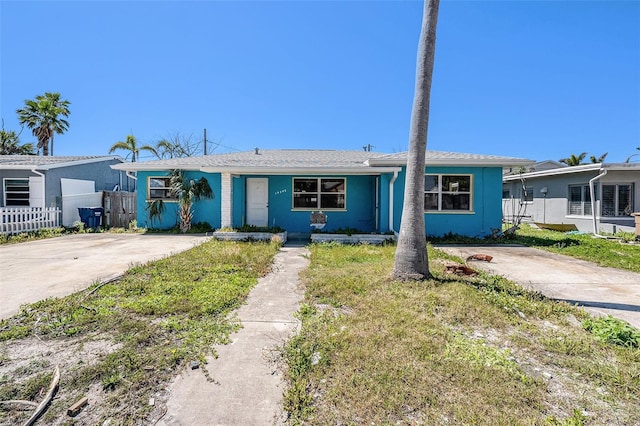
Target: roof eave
x=302 y=170
x=555 y=172
x=59 y=165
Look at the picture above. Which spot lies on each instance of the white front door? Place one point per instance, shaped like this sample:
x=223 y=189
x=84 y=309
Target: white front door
x=258 y=201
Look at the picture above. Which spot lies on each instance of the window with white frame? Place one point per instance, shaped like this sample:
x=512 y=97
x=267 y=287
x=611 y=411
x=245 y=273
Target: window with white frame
x=447 y=193
x=16 y=192
x=159 y=188
x=319 y=193
x=580 y=200
x=617 y=200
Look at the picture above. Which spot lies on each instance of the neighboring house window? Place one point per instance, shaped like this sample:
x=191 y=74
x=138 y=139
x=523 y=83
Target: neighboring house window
x=617 y=200
x=159 y=188
x=16 y=192
x=506 y=193
x=527 y=194
x=447 y=193
x=319 y=193
x=579 y=200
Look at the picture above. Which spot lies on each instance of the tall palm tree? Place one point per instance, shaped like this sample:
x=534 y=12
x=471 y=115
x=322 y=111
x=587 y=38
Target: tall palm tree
x=188 y=191
x=43 y=117
x=600 y=159
x=573 y=160
x=411 y=262
x=131 y=144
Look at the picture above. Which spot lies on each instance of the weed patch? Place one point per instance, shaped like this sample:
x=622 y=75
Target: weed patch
x=613 y=330
x=450 y=350
x=122 y=342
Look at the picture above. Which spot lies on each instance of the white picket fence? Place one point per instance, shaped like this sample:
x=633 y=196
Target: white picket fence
x=14 y=220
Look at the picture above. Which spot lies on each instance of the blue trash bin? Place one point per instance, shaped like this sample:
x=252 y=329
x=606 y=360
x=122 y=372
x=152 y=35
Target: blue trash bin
x=91 y=216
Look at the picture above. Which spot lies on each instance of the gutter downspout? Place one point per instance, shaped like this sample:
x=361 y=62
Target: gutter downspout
x=594 y=202
x=391 y=182
x=133 y=177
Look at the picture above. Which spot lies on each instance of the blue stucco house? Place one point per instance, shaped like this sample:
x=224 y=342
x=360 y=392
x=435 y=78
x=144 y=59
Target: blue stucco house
x=354 y=189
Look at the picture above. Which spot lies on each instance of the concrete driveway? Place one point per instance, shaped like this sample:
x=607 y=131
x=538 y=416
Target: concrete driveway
x=56 y=267
x=598 y=289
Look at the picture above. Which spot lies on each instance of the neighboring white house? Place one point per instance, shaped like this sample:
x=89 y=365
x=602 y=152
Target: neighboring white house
x=563 y=195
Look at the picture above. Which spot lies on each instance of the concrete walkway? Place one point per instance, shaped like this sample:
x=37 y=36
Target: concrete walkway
x=600 y=290
x=247 y=386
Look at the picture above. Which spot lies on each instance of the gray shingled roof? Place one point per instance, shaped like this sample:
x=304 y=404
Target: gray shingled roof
x=280 y=158
x=37 y=161
x=444 y=157
x=310 y=158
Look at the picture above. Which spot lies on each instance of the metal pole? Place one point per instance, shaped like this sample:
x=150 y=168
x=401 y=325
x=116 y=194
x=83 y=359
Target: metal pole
x=205 y=141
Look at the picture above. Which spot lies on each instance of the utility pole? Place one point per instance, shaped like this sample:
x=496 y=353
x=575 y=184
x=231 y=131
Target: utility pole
x=205 y=141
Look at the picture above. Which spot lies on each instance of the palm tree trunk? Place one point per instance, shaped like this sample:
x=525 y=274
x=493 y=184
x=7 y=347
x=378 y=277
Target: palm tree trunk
x=52 y=133
x=411 y=262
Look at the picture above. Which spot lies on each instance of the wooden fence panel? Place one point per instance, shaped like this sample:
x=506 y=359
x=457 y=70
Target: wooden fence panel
x=119 y=208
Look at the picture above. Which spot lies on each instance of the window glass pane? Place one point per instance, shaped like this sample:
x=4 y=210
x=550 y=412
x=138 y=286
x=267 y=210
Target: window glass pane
x=624 y=200
x=527 y=195
x=506 y=193
x=431 y=183
x=332 y=201
x=159 y=189
x=305 y=201
x=456 y=202
x=158 y=182
x=431 y=201
x=159 y=193
x=16 y=192
x=608 y=200
x=575 y=193
x=305 y=185
x=456 y=183
x=332 y=185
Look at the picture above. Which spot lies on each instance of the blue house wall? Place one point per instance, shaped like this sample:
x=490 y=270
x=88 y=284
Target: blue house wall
x=203 y=210
x=487 y=204
x=361 y=208
x=359 y=213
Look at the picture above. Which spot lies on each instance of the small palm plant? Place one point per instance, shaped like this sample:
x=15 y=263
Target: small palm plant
x=188 y=191
x=155 y=209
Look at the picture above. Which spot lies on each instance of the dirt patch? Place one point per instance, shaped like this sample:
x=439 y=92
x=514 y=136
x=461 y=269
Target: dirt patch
x=26 y=360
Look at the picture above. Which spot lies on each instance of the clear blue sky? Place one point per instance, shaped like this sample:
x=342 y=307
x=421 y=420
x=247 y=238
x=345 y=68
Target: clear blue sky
x=534 y=79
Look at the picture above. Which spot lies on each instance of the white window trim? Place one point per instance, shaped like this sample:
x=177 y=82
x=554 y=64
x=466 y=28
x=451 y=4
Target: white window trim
x=319 y=193
x=616 y=197
x=440 y=192
x=166 y=200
